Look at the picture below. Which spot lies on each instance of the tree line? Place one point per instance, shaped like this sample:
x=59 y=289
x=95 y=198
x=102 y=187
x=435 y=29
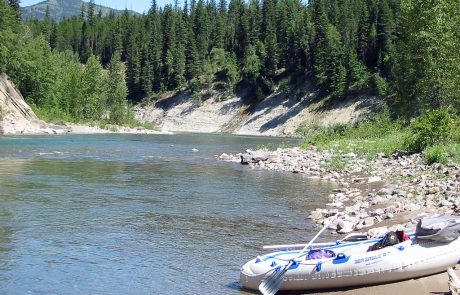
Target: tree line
x=56 y=83
x=407 y=51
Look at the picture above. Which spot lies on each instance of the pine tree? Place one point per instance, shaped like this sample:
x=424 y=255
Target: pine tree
x=84 y=47
x=320 y=50
x=251 y=65
x=335 y=69
x=90 y=12
x=8 y=32
x=385 y=33
x=15 y=4
x=270 y=38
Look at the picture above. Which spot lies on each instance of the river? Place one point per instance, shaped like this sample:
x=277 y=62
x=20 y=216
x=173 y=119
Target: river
x=141 y=214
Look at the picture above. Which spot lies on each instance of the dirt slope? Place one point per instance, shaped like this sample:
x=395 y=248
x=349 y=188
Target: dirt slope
x=274 y=116
x=16 y=117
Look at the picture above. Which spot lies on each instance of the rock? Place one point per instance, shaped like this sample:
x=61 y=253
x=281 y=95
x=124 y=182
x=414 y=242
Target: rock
x=316 y=215
x=445 y=203
x=359 y=226
x=377 y=232
x=389 y=215
x=225 y=156
x=397 y=227
x=344 y=227
x=245 y=159
x=335 y=204
x=17 y=117
x=434 y=190
x=377 y=200
x=385 y=191
x=369 y=221
x=378 y=212
x=259 y=157
x=374 y=179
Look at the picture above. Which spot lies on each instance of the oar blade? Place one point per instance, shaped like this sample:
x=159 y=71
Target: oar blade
x=271 y=284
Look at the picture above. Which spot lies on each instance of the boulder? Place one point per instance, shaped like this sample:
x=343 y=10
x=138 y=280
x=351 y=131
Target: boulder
x=344 y=227
x=245 y=159
x=369 y=221
x=377 y=232
x=374 y=179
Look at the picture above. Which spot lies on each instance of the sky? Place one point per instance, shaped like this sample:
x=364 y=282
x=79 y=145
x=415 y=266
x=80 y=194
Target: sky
x=136 y=5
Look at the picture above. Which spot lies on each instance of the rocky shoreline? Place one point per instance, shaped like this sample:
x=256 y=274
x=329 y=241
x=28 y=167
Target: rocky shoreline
x=386 y=193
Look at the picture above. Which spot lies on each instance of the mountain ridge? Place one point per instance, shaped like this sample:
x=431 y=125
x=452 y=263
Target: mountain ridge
x=59 y=9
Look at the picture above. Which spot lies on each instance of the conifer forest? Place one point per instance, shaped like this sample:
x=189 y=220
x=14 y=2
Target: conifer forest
x=81 y=68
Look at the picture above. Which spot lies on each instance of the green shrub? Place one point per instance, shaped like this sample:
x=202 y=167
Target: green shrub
x=436 y=154
x=453 y=150
x=432 y=128
x=338 y=163
x=195 y=87
x=149 y=126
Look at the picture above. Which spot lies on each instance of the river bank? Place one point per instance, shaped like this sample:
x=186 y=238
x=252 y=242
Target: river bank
x=17 y=117
x=376 y=195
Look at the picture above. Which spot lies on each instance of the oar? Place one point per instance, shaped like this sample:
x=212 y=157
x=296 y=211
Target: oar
x=272 y=283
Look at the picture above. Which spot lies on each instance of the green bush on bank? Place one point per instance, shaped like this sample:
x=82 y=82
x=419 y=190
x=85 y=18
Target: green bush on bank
x=436 y=133
x=435 y=154
x=434 y=127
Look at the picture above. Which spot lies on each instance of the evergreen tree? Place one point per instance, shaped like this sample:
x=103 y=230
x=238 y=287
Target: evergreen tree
x=91 y=11
x=15 y=4
x=270 y=38
x=8 y=32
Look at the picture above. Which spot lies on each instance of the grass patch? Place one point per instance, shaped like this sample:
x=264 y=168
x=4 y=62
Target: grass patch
x=338 y=163
x=372 y=148
x=372 y=137
x=272 y=146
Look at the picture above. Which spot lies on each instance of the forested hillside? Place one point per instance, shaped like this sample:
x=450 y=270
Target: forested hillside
x=59 y=9
x=405 y=50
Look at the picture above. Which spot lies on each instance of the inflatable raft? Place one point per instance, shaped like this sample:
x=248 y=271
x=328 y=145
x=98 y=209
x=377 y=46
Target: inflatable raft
x=345 y=264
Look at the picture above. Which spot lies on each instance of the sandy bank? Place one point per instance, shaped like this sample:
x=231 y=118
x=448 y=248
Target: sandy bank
x=435 y=284
x=85 y=129
x=276 y=115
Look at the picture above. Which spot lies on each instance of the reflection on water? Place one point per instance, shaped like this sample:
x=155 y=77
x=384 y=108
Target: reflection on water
x=131 y=214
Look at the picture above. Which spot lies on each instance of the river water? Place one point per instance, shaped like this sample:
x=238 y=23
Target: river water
x=141 y=214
